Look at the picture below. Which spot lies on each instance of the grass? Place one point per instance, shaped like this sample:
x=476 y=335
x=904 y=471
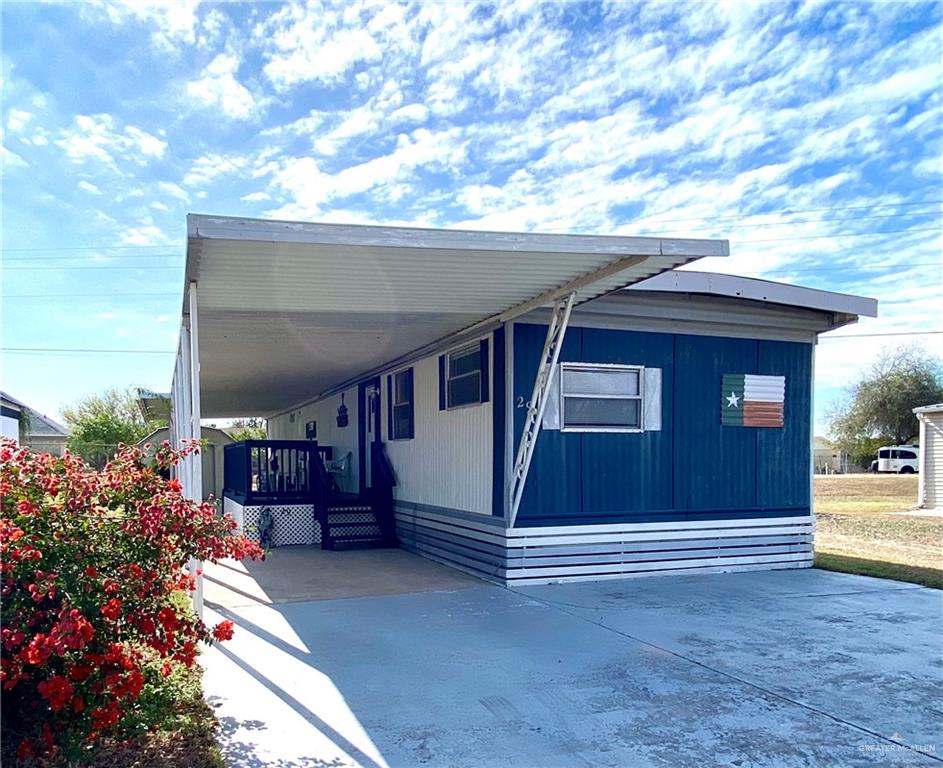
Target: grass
x=863 y=527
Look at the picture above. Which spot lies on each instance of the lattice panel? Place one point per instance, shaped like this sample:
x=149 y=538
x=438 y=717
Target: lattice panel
x=343 y=518
x=292 y=524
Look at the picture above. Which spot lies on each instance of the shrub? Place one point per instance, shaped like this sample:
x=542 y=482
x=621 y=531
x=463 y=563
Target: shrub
x=93 y=564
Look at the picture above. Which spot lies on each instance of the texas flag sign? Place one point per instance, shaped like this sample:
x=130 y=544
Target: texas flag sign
x=748 y=400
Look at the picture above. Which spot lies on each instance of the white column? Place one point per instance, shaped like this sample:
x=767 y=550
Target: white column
x=922 y=461
x=196 y=468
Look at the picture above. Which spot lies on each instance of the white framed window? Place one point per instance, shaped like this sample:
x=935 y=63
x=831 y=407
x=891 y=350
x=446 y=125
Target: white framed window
x=601 y=397
x=463 y=376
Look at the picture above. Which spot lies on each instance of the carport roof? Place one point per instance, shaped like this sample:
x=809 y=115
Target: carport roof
x=289 y=310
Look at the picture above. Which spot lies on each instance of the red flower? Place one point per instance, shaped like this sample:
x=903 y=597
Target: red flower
x=91 y=571
x=57 y=690
x=37 y=651
x=25 y=750
x=168 y=617
x=223 y=630
x=112 y=609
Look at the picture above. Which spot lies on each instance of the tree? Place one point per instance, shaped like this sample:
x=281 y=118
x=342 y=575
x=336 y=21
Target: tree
x=878 y=410
x=247 y=429
x=99 y=423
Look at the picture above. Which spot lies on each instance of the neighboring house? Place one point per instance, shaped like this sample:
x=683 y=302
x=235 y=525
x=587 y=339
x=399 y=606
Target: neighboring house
x=34 y=430
x=827 y=459
x=552 y=407
x=11 y=411
x=930 y=493
x=212 y=456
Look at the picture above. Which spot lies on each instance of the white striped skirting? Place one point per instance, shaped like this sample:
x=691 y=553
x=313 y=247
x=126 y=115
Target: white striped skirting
x=486 y=548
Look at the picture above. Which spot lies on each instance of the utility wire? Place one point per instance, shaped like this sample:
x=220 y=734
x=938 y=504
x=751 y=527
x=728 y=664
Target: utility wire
x=63 y=350
x=872 y=335
x=67 y=350
x=785 y=212
x=834 y=236
x=753 y=225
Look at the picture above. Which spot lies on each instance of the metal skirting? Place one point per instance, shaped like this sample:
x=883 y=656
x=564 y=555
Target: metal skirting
x=593 y=552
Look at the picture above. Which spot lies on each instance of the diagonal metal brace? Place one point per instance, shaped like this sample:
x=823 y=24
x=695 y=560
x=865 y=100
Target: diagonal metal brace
x=556 y=330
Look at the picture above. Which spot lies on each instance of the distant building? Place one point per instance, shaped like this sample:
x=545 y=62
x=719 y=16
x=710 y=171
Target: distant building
x=827 y=459
x=31 y=428
x=930 y=493
x=12 y=413
x=212 y=454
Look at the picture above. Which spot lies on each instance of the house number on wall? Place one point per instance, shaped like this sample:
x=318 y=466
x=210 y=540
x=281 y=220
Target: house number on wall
x=521 y=403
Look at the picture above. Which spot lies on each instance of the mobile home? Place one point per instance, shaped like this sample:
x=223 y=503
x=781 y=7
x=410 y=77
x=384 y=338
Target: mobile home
x=529 y=408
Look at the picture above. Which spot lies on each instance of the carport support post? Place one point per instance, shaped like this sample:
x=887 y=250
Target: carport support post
x=556 y=330
x=196 y=460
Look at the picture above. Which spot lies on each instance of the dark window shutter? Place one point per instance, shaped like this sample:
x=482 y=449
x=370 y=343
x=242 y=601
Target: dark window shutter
x=485 y=377
x=441 y=382
x=411 y=429
x=389 y=407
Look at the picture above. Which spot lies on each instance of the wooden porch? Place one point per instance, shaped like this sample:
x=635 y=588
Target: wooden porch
x=271 y=476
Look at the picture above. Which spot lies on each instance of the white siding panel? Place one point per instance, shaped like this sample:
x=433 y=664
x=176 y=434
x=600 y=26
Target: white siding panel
x=448 y=463
x=933 y=446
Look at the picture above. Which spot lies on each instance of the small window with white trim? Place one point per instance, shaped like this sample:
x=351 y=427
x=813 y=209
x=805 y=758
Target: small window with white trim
x=402 y=425
x=601 y=397
x=463 y=382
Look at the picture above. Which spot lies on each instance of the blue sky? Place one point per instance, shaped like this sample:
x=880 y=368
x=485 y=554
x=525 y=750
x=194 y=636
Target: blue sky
x=808 y=134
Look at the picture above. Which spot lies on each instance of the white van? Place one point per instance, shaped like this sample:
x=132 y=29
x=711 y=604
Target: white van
x=901 y=459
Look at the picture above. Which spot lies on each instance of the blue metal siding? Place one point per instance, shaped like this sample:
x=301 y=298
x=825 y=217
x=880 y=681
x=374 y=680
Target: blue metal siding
x=784 y=455
x=626 y=473
x=558 y=461
x=715 y=466
x=693 y=468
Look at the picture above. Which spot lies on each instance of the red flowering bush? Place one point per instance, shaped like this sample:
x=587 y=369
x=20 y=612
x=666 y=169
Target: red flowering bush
x=92 y=566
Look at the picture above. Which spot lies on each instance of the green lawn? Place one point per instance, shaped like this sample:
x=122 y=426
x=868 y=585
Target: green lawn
x=863 y=527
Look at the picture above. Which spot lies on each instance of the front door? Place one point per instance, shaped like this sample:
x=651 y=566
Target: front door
x=370 y=405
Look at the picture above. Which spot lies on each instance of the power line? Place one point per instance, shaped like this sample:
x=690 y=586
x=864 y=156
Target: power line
x=839 y=235
x=789 y=212
x=871 y=335
x=83 y=248
x=785 y=212
x=89 y=266
x=833 y=236
x=32 y=350
x=106 y=255
x=122 y=295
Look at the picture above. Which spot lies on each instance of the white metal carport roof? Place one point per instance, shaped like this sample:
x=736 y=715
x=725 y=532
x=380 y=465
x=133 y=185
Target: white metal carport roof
x=289 y=310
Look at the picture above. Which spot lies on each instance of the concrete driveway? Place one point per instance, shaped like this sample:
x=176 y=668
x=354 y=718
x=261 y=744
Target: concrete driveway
x=791 y=668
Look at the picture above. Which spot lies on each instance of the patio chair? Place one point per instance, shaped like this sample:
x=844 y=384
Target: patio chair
x=338 y=471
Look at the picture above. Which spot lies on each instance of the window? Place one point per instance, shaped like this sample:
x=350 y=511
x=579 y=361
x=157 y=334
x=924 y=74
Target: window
x=463 y=384
x=884 y=453
x=908 y=455
x=401 y=424
x=601 y=398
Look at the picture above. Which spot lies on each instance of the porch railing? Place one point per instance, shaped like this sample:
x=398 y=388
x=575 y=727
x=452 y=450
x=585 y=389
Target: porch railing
x=271 y=471
x=383 y=480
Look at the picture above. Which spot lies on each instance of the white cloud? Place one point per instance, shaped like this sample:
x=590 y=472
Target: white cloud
x=99 y=138
x=207 y=168
x=219 y=89
x=147 y=234
x=17 y=119
x=312 y=44
x=310 y=187
x=9 y=159
x=173 y=190
x=173 y=23
x=87 y=186
x=255 y=197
